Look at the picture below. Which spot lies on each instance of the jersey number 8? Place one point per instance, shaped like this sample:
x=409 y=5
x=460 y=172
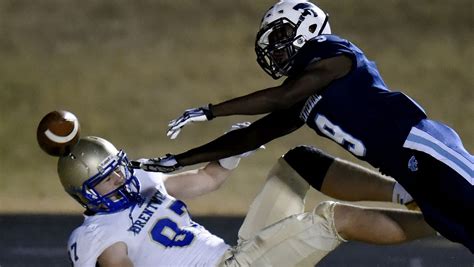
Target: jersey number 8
x=344 y=139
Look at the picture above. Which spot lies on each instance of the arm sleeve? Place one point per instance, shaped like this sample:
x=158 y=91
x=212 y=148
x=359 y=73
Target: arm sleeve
x=236 y=142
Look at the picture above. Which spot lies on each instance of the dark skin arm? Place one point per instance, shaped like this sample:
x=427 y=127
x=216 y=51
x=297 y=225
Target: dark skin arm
x=285 y=103
x=315 y=78
x=236 y=142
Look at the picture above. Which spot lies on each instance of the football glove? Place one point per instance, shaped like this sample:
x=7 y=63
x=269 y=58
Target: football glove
x=163 y=164
x=189 y=115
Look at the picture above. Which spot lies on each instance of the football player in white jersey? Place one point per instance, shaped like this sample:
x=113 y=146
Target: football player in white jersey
x=135 y=218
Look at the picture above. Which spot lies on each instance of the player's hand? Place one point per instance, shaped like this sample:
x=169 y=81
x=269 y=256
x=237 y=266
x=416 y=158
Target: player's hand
x=163 y=164
x=189 y=115
x=231 y=163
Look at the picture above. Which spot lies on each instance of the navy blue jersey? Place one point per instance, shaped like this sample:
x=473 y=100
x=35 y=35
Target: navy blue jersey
x=391 y=132
x=357 y=111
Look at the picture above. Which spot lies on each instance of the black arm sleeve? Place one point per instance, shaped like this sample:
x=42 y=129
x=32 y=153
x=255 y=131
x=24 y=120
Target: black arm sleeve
x=236 y=142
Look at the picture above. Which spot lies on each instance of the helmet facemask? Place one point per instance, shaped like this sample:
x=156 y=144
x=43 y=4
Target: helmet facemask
x=274 y=47
x=122 y=197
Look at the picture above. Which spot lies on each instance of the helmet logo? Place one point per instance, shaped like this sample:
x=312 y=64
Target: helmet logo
x=275 y=48
x=413 y=164
x=306 y=9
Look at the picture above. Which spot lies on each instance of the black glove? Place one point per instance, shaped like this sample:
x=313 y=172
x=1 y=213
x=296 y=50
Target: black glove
x=164 y=164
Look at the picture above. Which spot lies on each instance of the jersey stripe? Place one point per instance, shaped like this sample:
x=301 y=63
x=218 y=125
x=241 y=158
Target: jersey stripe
x=308 y=106
x=422 y=141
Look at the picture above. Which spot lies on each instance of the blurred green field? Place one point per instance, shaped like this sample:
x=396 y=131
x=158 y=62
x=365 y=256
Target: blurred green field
x=125 y=68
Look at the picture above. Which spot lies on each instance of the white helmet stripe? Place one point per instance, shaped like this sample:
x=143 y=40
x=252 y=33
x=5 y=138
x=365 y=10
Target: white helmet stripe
x=63 y=139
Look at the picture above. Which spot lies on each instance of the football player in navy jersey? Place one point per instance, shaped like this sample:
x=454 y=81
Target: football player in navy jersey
x=332 y=87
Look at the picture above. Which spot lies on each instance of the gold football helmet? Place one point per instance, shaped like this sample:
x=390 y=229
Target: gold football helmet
x=91 y=161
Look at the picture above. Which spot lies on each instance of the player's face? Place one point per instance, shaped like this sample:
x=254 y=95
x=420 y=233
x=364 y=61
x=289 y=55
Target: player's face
x=111 y=182
x=279 y=36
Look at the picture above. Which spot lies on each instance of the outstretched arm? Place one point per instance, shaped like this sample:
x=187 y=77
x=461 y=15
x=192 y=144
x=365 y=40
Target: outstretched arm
x=315 y=78
x=230 y=144
x=197 y=182
x=266 y=129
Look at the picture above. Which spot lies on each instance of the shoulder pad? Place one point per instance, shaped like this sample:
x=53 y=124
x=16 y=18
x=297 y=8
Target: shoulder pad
x=318 y=48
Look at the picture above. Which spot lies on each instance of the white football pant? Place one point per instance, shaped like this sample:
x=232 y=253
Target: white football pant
x=276 y=232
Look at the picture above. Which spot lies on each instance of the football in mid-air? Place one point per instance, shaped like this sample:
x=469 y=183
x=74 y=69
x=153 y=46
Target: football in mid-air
x=57 y=132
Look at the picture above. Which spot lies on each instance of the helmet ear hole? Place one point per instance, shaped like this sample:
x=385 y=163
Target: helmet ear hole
x=312 y=28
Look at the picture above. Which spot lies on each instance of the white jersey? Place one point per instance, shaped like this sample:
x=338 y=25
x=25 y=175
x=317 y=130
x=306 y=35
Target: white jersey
x=160 y=232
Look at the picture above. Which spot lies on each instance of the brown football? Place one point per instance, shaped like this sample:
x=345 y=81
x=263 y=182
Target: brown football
x=57 y=132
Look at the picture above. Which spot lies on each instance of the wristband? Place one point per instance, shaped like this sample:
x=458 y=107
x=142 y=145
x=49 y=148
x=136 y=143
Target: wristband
x=208 y=112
